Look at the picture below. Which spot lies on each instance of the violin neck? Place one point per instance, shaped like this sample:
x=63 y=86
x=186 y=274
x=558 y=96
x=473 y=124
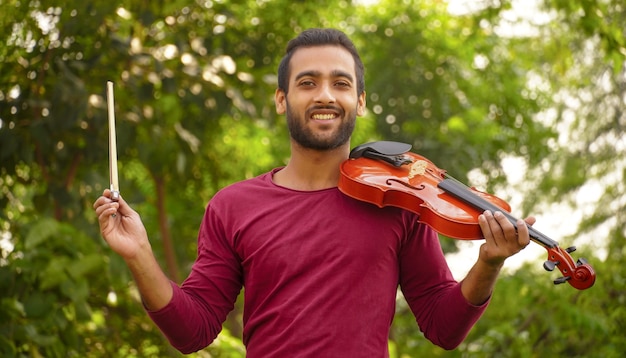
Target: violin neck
x=462 y=192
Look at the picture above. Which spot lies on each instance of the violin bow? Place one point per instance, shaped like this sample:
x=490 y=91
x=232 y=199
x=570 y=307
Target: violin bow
x=113 y=179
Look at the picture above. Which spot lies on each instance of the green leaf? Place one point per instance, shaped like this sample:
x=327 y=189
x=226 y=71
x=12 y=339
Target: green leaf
x=38 y=304
x=457 y=124
x=85 y=265
x=7 y=347
x=77 y=291
x=55 y=273
x=42 y=230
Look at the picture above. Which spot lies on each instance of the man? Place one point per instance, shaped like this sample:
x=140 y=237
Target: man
x=320 y=269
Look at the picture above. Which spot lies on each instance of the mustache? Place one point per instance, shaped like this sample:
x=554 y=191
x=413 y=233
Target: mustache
x=325 y=107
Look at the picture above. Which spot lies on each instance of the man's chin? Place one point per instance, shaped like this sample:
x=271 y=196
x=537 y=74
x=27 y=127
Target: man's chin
x=321 y=145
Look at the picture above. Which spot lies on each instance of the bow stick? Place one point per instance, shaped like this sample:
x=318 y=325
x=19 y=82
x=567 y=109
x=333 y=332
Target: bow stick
x=115 y=187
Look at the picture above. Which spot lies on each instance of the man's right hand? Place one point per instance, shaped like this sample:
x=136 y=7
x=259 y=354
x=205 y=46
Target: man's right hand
x=122 y=229
x=121 y=226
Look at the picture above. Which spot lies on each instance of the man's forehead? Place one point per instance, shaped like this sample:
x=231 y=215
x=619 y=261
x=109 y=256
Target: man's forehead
x=317 y=60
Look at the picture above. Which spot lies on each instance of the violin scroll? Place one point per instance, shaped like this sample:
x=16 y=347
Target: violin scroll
x=579 y=274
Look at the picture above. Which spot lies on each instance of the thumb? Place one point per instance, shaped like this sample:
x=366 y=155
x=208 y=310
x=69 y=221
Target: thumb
x=124 y=209
x=530 y=220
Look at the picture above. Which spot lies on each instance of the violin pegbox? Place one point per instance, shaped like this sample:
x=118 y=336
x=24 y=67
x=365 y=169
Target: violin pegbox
x=579 y=274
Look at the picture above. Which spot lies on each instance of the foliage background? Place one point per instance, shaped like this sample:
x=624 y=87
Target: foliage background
x=471 y=88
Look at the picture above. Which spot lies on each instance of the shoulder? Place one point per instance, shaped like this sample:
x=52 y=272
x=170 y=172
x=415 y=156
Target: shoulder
x=236 y=201
x=244 y=187
x=244 y=194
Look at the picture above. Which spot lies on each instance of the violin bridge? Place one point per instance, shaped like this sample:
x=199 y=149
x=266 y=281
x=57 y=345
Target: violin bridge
x=418 y=168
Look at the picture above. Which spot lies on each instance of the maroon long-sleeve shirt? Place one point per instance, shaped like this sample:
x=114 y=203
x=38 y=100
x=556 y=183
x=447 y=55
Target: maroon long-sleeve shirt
x=320 y=273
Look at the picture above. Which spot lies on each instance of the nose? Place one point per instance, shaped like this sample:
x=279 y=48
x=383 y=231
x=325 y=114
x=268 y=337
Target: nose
x=324 y=94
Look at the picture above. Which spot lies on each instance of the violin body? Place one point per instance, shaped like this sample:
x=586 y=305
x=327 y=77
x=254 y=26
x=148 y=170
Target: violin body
x=387 y=174
x=415 y=190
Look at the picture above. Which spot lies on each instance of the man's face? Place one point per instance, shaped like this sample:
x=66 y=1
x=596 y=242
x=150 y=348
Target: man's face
x=322 y=103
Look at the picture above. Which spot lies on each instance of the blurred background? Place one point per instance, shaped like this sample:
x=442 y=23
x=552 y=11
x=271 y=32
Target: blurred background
x=525 y=99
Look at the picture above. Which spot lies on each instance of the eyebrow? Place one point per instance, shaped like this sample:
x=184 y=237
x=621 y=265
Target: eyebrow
x=334 y=73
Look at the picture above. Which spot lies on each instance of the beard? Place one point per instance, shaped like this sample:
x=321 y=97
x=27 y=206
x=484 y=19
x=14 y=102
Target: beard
x=305 y=137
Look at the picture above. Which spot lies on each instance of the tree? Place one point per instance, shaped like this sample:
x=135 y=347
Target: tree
x=576 y=63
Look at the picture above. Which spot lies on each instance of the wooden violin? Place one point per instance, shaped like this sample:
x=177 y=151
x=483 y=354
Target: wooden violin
x=387 y=174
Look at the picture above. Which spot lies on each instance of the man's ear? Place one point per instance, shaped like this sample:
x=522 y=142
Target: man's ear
x=280 y=99
x=360 y=107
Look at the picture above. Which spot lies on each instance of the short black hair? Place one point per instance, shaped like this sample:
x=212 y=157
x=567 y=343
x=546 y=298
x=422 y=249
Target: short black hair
x=320 y=37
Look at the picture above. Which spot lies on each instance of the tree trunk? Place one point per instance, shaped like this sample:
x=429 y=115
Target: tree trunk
x=168 y=246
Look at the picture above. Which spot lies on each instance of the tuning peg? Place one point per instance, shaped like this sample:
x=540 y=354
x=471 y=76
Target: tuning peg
x=561 y=280
x=570 y=249
x=550 y=265
x=581 y=261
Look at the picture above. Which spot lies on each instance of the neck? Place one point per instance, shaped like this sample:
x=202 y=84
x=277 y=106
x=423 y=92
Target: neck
x=310 y=169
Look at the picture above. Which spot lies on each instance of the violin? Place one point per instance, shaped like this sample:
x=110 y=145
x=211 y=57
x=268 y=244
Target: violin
x=387 y=174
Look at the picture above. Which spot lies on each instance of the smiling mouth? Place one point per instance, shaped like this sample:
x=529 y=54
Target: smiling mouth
x=324 y=116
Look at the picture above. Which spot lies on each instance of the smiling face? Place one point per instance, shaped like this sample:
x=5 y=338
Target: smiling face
x=322 y=102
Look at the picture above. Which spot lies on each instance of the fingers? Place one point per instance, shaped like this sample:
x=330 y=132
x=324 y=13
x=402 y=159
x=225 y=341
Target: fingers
x=105 y=207
x=523 y=235
x=123 y=208
x=498 y=228
x=503 y=238
x=484 y=224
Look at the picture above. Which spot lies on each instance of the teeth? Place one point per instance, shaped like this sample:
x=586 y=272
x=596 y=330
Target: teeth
x=323 y=116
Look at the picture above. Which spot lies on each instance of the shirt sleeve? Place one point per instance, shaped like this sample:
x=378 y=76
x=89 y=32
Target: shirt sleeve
x=434 y=296
x=199 y=307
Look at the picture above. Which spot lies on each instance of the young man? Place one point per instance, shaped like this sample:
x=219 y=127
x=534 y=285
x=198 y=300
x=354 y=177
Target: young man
x=320 y=269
